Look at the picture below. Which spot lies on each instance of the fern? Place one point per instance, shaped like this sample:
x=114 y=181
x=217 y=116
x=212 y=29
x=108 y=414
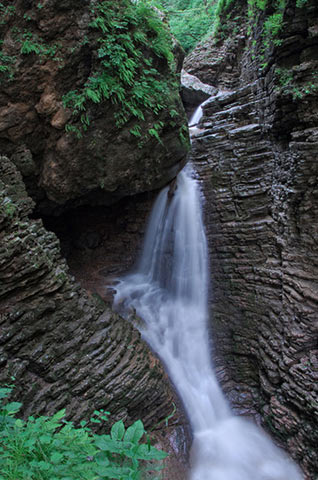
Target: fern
x=136 y=131
x=6 y=64
x=32 y=44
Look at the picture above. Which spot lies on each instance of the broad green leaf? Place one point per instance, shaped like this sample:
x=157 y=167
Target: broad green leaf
x=118 y=430
x=59 y=415
x=45 y=439
x=4 y=392
x=134 y=432
x=102 y=442
x=146 y=453
x=12 y=407
x=56 y=457
x=102 y=459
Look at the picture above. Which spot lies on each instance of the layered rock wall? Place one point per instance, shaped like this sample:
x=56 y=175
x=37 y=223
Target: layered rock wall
x=257 y=153
x=65 y=349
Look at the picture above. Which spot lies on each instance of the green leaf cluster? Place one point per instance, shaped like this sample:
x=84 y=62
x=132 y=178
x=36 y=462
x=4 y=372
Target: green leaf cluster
x=289 y=85
x=6 y=64
x=5 y=12
x=32 y=44
x=51 y=448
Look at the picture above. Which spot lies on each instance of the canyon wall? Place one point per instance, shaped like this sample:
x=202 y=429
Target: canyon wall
x=64 y=348
x=64 y=345
x=256 y=150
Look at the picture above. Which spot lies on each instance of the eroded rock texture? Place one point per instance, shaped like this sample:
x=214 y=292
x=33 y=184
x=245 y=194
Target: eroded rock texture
x=257 y=152
x=65 y=348
x=50 y=49
x=102 y=243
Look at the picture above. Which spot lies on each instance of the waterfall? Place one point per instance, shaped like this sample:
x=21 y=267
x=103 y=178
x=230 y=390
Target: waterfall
x=168 y=290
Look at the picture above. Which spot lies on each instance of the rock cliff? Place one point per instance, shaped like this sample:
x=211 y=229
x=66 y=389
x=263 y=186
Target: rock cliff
x=89 y=103
x=78 y=128
x=257 y=153
x=65 y=349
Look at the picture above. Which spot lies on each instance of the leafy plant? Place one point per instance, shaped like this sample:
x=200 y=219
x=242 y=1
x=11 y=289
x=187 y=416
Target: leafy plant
x=6 y=63
x=31 y=44
x=285 y=76
x=272 y=26
x=51 y=448
x=289 y=85
x=6 y=12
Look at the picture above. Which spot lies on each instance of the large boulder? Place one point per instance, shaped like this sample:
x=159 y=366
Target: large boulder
x=194 y=92
x=89 y=103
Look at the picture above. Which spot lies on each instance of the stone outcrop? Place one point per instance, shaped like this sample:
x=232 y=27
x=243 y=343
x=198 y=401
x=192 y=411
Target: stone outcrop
x=257 y=154
x=65 y=349
x=48 y=50
x=194 y=92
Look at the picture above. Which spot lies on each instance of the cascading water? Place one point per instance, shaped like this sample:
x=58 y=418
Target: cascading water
x=169 y=291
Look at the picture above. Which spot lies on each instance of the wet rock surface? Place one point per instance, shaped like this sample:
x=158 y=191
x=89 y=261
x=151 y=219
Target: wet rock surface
x=66 y=349
x=256 y=152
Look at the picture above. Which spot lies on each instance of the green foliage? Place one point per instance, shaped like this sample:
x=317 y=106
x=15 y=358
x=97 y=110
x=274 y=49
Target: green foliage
x=190 y=20
x=8 y=209
x=301 y=3
x=6 y=12
x=223 y=6
x=261 y=4
x=222 y=27
x=183 y=134
x=124 y=75
x=32 y=44
x=51 y=448
x=288 y=84
x=6 y=64
x=272 y=26
x=285 y=76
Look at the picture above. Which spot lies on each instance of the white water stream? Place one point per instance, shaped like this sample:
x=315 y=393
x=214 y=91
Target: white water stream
x=168 y=289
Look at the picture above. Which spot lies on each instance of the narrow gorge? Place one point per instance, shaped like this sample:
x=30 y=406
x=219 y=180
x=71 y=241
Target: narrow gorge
x=92 y=126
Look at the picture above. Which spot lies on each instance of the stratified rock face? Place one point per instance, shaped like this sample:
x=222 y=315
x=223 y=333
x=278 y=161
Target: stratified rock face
x=49 y=49
x=65 y=349
x=257 y=152
x=220 y=64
